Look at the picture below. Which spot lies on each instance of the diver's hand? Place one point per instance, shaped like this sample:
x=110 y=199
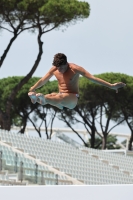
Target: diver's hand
x=32 y=89
x=116 y=86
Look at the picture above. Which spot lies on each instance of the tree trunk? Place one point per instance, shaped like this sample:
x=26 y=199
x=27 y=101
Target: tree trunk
x=22 y=130
x=6 y=120
x=104 y=141
x=130 y=142
x=3 y=121
x=93 y=138
x=35 y=127
x=51 y=130
x=7 y=49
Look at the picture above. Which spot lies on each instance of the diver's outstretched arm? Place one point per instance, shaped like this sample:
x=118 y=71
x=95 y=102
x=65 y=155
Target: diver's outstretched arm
x=94 y=79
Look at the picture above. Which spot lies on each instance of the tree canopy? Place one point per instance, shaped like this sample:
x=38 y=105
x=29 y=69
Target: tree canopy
x=95 y=102
x=98 y=104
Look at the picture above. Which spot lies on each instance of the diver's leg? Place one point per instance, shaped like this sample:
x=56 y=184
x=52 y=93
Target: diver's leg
x=61 y=100
x=49 y=99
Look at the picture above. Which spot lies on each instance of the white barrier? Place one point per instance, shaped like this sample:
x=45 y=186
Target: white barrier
x=94 y=192
x=110 y=192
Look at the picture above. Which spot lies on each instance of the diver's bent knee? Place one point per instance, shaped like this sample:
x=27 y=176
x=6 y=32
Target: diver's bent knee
x=47 y=96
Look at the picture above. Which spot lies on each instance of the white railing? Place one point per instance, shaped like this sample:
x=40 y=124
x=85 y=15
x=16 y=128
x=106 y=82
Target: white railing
x=84 y=133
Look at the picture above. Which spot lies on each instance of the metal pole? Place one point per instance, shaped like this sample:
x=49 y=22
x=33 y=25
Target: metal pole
x=21 y=171
x=16 y=161
x=0 y=160
x=56 y=179
x=36 y=173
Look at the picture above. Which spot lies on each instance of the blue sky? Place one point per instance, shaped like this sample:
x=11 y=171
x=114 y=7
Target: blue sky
x=101 y=43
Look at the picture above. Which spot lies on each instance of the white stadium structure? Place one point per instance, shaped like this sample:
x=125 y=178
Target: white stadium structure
x=26 y=160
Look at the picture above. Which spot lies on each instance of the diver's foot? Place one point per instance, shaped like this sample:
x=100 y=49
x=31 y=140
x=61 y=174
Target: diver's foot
x=33 y=97
x=41 y=99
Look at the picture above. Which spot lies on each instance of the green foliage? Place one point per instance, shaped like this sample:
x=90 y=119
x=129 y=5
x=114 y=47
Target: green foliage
x=91 y=92
x=43 y=11
x=92 y=97
x=7 y=84
x=22 y=102
x=96 y=101
x=111 y=143
x=64 y=11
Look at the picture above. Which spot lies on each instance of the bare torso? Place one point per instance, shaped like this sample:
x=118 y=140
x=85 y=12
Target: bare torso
x=68 y=81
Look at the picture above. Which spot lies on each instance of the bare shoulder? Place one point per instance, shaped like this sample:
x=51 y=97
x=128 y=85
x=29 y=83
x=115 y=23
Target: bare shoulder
x=76 y=68
x=52 y=69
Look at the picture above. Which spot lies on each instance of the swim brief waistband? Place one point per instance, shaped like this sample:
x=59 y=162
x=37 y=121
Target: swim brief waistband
x=77 y=95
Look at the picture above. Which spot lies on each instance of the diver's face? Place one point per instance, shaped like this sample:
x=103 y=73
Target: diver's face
x=63 y=68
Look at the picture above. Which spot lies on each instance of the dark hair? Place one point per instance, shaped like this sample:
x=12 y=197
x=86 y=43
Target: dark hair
x=59 y=59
